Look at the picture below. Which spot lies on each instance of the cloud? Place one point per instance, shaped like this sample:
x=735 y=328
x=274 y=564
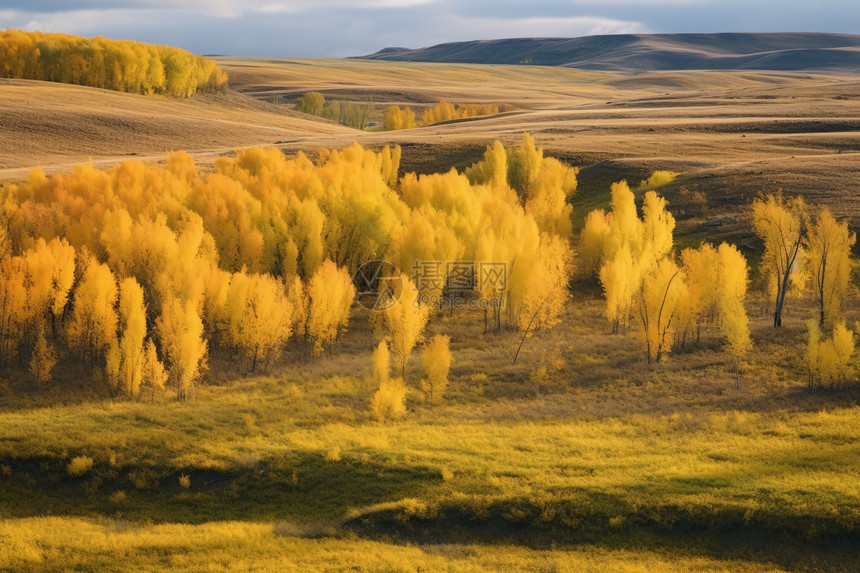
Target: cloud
x=309 y=28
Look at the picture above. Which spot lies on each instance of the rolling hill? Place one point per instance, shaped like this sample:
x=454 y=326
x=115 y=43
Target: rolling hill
x=651 y=52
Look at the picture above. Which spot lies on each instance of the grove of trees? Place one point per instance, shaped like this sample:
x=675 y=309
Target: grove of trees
x=350 y=114
x=141 y=273
x=356 y=115
x=405 y=118
x=120 y=65
x=644 y=283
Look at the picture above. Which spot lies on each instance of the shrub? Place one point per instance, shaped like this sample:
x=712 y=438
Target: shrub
x=79 y=466
x=389 y=401
x=333 y=454
x=657 y=179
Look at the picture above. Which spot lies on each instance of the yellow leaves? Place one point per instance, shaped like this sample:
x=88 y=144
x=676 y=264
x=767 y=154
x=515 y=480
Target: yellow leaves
x=132 y=327
x=259 y=317
x=311 y=102
x=93 y=324
x=661 y=298
x=396 y=118
x=627 y=247
x=780 y=224
x=828 y=249
x=120 y=65
x=626 y=228
x=436 y=358
x=657 y=179
x=492 y=169
x=830 y=360
x=51 y=272
x=716 y=289
x=180 y=331
x=153 y=374
x=330 y=294
x=547 y=292
x=620 y=277
x=389 y=402
x=191 y=239
x=732 y=292
x=381 y=363
x=405 y=321
x=658 y=226
x=547 y=197
x=444 y=111
x=43 y=360
x=595 y=234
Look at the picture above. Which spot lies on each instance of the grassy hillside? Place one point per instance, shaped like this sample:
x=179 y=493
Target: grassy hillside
x=649 y=52
x=58 y=126
x=731 y=134
x=600 y=457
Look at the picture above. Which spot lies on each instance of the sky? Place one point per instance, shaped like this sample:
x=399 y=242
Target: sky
x=339 y=28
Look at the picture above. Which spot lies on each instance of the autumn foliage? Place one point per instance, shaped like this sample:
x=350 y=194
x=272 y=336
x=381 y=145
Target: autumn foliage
x=145 y=272
x=643 y=282
x=120 y=65
x=405 y=118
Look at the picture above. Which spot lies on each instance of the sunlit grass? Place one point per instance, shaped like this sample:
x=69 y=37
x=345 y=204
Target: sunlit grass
x=599 y=449
x=52 y=543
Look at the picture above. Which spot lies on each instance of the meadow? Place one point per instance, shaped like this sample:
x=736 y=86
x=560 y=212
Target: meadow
x=579 y=456
x=602 y=462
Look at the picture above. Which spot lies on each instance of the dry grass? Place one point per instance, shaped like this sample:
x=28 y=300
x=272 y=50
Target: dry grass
x=730 y=134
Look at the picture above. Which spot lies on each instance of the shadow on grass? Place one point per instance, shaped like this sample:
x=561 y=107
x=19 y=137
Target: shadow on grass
x=610 y=521
x=298 y=487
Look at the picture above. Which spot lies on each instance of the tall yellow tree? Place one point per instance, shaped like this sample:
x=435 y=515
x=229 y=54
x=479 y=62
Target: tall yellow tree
x=43 y=360
x=734 y=324
x=153 y=374
x=13 y=306
x=330 y=293
x=548 y=290
x=436 y=358
x=51 y=273
x=781 y=225
x=627 y=247
x=388 y=402
x=828 y=249
x=405 y=321
x=829 y=360
x=132 y=327
x=260 y=317
x=94 y=320
x=381 y=363
x=180 y=331
x=660 y=299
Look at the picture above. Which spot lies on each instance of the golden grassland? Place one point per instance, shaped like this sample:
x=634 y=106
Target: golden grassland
x=49 y=544
x=581 y=457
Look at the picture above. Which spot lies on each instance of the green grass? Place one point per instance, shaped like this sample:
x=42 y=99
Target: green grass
x=601 y=457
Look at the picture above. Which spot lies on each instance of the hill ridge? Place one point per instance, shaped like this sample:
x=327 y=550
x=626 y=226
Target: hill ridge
x=795 y=51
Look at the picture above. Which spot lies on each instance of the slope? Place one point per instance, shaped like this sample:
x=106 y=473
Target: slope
x=57 y=125
x=650 y=52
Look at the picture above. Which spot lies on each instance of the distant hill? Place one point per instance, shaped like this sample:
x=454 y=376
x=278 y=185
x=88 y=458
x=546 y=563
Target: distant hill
x=651 y=52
